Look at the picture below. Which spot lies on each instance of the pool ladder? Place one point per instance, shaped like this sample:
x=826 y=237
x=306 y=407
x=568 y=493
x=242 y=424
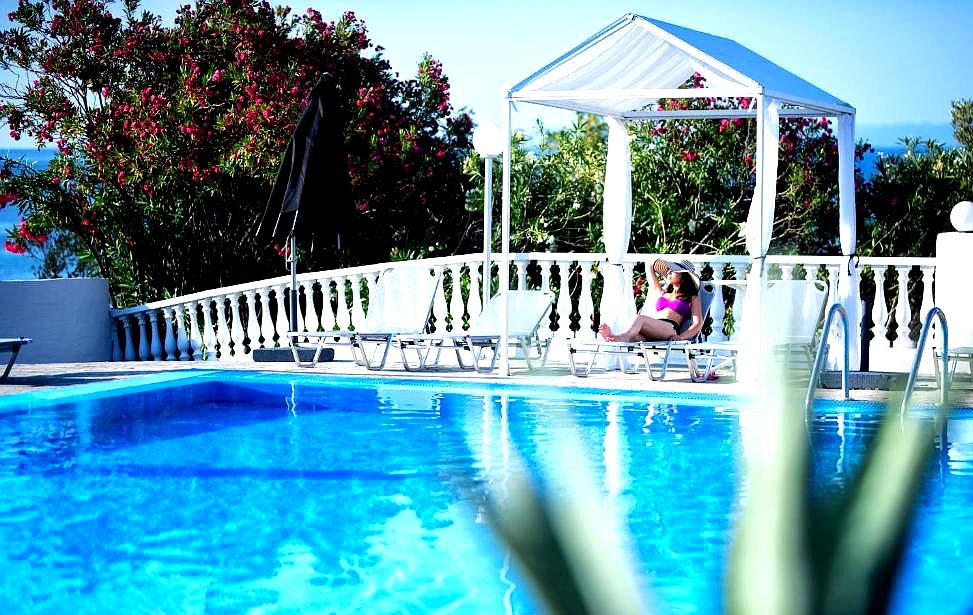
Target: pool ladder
x=913 y=373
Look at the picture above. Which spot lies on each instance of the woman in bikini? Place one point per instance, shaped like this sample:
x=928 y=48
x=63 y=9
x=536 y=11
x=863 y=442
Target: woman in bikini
x=673 y=305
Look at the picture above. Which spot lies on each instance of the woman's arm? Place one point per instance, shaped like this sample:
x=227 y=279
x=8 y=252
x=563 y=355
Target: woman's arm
x=697 y=316
x=656 y=285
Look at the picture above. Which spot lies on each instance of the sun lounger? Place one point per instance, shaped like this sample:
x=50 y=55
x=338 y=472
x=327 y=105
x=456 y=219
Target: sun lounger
x=400 y=303
x=527 y=310
x=644 y=353
x=13 y=346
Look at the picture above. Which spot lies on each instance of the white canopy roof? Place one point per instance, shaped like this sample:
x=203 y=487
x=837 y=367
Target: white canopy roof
x=622 y=70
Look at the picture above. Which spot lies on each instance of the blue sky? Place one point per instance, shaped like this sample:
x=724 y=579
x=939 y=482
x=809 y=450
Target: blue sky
x=898 y=62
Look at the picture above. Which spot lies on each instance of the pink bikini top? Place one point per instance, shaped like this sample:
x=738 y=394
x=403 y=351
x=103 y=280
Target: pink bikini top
x=681 y=307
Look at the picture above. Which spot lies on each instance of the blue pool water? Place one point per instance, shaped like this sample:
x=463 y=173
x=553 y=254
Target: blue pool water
x=267 y=493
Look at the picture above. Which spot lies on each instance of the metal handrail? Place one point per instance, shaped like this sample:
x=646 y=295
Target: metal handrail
x=819 y=355
x=920 y=346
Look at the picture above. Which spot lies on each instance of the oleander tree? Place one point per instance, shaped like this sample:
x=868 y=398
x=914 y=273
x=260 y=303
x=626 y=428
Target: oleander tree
x=168 y=139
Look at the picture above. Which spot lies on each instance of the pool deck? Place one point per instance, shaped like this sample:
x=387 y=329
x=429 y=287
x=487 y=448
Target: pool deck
x=27 y=377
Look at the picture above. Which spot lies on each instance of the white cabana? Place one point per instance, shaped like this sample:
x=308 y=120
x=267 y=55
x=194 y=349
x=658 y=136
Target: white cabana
x=623 y=70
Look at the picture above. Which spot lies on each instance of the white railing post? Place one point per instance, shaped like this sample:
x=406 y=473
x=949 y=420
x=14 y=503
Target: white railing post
x=129 y=342
x=440 y=310
x=564 y=304
x=236 y=327
x=281 y=324
x=357 y=311
x=473 y=301
x=521 y=275
x=195 y=339
x=169 y=338
x=116 y=346
x=343 y=314
x=456 y=307
x=223 y=336
x=586 y=307
x=296 y=296
x=209 y=331
x=266 y=323
x=182 y=340
x=253 y=327
x=880 y=310
x=927 y=300
x=155 y=347
x=902 y=312
x=717 y=310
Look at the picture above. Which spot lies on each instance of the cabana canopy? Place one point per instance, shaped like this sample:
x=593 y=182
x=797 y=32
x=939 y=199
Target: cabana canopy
x=622 y=72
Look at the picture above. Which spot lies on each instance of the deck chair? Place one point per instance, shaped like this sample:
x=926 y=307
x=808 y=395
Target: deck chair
x=13 y=346
x=643 y=352
x=527 y=311
x=793 y=336
x=400 y=303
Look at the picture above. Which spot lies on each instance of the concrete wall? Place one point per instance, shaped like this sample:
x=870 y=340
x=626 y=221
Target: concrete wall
x=67 y=319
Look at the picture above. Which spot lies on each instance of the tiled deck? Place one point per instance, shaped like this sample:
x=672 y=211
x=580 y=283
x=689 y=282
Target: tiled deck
x=26 y=377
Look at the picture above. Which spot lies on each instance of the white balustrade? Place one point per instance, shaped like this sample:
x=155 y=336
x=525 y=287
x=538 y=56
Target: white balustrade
x=265 y=317
x=440 y=310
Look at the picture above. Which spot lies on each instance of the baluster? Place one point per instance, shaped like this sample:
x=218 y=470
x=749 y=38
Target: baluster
x=927 y=301
x=116 y=344
x=195 y=340
x=155 y=346
x=281 y=324
x=328 y=319
x=302 y=290
x=169 y=340
x=545 y=267
x=236 y=327
x=786 y=271
x=223 y=336
x=832 y=285
x=267 y=331
x=343 y=314
x=880 y=309
x=357 y=311
x=521 y=275
x=474 y=305
x=144 y=351
x=717 y=310
x=439 y=306
x=564 y=303
x=182 y=340
x=902 y=312
x=586 y=307
x=456 y=307
x=253 y=327
x=130 y=348
x=209 y=331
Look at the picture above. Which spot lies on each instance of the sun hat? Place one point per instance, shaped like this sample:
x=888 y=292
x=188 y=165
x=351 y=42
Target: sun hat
x=663 y=267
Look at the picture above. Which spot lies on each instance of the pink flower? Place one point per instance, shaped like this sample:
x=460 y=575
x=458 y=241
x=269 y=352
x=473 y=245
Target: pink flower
x=6 y=199
x=724 y=124
x=14 y=248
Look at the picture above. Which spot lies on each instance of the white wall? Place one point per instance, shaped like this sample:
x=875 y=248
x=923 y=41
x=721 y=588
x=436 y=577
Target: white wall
x=67 y=319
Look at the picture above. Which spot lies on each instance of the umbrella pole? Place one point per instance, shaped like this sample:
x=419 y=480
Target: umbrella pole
x=292 y=261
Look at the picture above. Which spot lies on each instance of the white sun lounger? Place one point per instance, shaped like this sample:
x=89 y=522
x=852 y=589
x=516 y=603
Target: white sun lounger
x=13 y=346
x=400 y=303
x=644 y=352
x=527 y=310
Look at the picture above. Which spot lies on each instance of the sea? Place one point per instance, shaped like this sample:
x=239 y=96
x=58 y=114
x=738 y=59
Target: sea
x=20 y=266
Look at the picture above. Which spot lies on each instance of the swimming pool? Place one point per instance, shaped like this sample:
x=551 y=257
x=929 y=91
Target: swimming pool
x=245 y=492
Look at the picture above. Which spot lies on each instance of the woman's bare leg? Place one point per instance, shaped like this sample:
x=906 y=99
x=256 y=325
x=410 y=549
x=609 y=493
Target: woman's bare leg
x=643 y=328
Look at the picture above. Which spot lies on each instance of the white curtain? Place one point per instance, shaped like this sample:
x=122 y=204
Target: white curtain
x=617 y=301
x=848 y=279
x=759 y=227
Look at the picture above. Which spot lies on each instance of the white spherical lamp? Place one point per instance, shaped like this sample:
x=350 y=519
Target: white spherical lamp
x=962 y=216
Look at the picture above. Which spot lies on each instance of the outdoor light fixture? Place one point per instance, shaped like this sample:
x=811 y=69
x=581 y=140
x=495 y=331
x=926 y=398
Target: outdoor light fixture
x=488 y=141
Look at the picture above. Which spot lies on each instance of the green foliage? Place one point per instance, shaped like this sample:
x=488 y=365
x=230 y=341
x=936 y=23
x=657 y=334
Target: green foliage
x=907 y=201
x=962 y=119
x=169 y=137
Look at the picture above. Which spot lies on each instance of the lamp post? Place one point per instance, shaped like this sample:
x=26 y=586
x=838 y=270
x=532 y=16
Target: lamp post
x=488 y=143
